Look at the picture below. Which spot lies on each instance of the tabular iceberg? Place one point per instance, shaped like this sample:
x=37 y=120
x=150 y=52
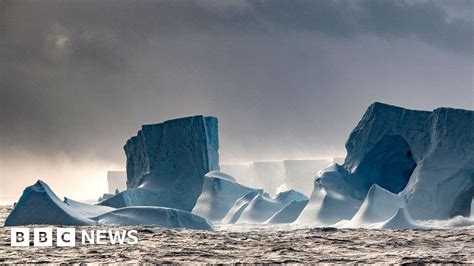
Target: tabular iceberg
x=219 y=193
x=424 y=156
x=172 y=158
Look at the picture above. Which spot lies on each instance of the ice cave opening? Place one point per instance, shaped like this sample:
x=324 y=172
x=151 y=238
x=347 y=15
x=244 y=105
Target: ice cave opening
x=389 y=164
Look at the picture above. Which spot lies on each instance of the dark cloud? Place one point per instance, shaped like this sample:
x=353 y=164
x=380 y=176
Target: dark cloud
x=286 y=78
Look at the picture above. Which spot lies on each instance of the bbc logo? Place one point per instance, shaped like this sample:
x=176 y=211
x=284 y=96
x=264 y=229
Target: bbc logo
x=42 y=237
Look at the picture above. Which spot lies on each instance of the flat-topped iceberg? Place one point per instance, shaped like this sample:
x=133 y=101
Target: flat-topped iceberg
x=425 y=157
x=172 y=158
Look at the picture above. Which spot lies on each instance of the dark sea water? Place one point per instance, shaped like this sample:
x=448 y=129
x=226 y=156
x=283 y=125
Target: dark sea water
x=258 y=245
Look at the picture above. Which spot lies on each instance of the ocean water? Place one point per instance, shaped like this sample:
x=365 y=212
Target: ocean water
x=258 y=245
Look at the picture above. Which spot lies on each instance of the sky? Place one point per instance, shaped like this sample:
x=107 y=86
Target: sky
x=287 y=79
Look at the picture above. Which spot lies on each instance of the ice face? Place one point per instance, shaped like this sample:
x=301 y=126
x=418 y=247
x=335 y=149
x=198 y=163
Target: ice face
x=425 y=156
x=172 y=157
x=219 y=193
x=116 y=180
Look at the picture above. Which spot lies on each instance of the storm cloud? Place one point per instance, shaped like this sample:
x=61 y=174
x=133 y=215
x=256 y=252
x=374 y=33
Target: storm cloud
x=287 y=79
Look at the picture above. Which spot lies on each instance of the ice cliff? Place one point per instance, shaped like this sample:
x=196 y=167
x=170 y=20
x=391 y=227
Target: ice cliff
x=425 y=157
x=172 y=158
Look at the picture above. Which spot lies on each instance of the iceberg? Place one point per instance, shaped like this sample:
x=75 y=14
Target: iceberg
x=219 y=193
x=425 y=157
x=172 y=158
x=289 y=213
x=116 y=180
x=39 y=205
x=327 y=208
x=156 y=216
x=239 y=206
x=261 y=207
